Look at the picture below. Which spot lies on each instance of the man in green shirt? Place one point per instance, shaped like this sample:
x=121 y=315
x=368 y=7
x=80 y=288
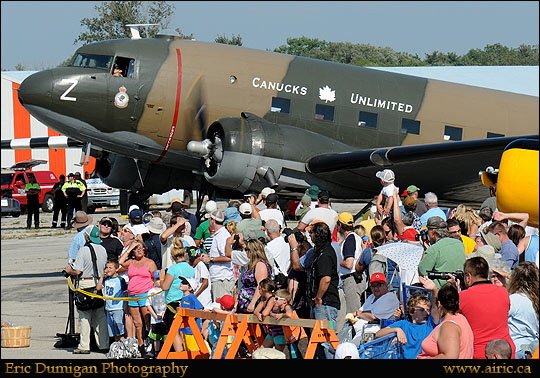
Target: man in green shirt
x=32 y=190
x=445 y=254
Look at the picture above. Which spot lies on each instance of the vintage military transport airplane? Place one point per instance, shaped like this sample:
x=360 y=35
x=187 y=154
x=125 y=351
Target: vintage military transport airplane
x=163 y=113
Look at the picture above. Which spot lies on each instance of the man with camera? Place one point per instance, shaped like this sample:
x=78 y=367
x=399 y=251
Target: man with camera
x=86 y=269
x=277 y=249
x=351 y=249
x=444 y=254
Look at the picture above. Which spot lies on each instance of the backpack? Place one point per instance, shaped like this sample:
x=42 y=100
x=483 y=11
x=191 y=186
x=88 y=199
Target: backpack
x=379 y=264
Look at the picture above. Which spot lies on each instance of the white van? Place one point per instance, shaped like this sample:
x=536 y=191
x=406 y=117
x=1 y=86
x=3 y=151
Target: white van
x=100 y=195
x=166 y=198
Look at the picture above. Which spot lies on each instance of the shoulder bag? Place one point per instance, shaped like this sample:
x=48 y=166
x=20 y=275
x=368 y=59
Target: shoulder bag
x=85 y=302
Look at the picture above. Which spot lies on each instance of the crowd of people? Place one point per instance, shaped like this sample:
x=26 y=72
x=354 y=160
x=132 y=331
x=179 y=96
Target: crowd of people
x=451 y=283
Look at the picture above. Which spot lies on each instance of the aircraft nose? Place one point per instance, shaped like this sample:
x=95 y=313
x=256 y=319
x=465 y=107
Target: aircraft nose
x=36 y=89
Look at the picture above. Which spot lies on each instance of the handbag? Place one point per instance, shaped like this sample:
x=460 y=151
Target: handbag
x=85 y=302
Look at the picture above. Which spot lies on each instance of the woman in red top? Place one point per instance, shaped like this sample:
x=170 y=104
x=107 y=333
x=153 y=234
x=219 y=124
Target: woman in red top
x=140 y=269
x=453 y=337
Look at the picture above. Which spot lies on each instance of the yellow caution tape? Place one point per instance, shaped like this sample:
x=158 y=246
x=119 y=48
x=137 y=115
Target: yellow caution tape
x=72 y=288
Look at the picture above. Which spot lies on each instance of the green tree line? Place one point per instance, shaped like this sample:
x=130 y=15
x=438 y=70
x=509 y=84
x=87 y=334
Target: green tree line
x=368 y=55
x=113 y=16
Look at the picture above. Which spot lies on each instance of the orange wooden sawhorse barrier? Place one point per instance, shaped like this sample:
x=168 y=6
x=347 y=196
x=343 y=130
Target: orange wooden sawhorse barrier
x=242 y=327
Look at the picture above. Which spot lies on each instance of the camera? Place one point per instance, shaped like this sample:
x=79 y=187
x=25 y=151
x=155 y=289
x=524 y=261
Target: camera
x=236 y=237
x=67 y=275
x=297 y=234
x=458 y=274
x=422 y=236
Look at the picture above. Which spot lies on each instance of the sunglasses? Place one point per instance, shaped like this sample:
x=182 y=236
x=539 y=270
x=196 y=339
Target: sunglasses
x=107 y=222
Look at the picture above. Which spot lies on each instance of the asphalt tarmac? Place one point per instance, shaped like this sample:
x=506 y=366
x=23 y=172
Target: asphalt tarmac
x=33 y=290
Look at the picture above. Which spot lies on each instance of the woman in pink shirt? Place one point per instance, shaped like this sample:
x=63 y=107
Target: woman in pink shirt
x=453 y=337
x=140 y=269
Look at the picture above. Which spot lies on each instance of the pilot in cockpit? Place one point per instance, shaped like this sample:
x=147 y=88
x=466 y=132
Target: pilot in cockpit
x=117 y=71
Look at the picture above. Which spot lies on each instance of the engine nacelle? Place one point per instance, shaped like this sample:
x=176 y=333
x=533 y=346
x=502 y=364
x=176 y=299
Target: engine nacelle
x=249 y=153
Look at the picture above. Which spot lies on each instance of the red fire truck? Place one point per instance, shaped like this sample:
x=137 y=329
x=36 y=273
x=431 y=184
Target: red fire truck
x=15 y=178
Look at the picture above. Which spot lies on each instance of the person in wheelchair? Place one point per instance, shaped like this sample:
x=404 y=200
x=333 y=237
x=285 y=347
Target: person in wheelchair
x=421 y=316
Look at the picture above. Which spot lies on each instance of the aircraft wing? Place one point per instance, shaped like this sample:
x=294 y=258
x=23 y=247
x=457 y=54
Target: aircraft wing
x=431 y=167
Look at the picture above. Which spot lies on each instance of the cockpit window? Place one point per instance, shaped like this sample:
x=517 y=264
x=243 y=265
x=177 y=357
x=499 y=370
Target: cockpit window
x=124 y=67
x=92 y=61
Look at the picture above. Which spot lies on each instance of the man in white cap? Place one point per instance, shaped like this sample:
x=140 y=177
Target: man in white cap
x=272 y=210
x=261 y=203
x=203 y=230
x=249 y=223
x=221 y=268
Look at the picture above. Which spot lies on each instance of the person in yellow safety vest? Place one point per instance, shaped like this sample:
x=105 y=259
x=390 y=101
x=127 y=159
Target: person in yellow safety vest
x=32 y=190
x=73 y=190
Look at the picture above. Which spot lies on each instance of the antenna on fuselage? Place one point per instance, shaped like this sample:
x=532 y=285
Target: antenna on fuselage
x=134 y=29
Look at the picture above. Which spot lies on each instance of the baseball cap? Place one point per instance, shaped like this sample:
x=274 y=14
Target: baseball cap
x=347 y=350
x=408 y=234
x=176 y=205
x=132 y=207
x=386 y=175
x=93 y=234
x=324 y=195
x=272 y=198
x=226 y=301
x=310 y=226
x=266 y=191
x=137 y=213
x=188 y=281
x=131 y=228
x=217 y=215
x=412 y=189
x=436 y=222
x=345 y=218
x=377 y=278
x=409 y=201
x=209 y=207
x=245 y=209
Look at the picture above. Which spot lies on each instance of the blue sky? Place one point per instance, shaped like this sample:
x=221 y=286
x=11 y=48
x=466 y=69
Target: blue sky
x=40 y=34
